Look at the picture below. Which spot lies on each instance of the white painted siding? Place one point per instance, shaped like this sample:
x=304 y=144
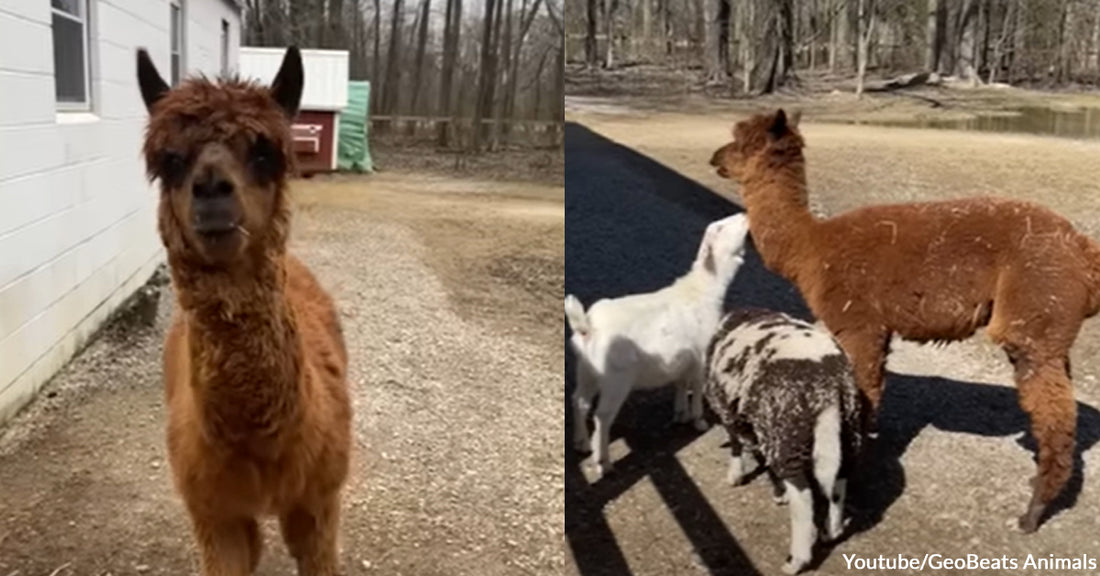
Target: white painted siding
x=326 y=74
x=77 y=217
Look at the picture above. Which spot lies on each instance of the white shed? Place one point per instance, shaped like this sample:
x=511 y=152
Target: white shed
x=324 y=97
x=77 y=216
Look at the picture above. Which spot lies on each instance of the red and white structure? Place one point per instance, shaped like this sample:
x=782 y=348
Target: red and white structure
x=324 y=97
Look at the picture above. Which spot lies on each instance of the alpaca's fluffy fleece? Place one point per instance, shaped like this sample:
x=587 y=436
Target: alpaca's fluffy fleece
x=784 y=390
x=930 y=271
x=653 y=339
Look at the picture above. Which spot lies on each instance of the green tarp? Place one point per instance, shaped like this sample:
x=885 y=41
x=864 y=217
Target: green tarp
x=353 y=152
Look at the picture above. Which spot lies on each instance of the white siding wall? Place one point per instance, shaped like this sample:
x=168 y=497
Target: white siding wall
x=77 y=217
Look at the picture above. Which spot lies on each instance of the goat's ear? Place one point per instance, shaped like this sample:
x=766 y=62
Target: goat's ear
x=779 y=125
x=153 y=87
x=706 y=248
x=286 y=89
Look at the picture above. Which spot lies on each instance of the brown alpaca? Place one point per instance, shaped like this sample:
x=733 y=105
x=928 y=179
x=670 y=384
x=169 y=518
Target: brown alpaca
x=932 y=271
x=259 y=421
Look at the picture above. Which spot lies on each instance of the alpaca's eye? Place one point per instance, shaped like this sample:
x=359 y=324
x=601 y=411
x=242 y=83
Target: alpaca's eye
x=172 y=167
x=265 y=160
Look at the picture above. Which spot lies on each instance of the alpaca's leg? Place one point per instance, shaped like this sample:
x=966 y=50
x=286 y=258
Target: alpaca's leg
x=583 y=394
x=803 y=531
x=1046 y=394
x=310 y=532
x=867 y=352
x=229 y=547
x=612 y=396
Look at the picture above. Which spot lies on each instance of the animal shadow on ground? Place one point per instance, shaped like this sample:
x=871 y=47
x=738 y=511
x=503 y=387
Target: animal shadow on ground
x=634 y=225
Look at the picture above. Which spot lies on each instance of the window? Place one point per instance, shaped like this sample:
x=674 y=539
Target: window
x=225 y=48
x=177 y=41
x=70 y=53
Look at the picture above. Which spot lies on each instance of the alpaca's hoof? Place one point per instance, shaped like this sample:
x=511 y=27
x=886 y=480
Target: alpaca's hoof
x=701 y=425
x=603 y=469
x=795 y=565
x=1027 y=524
x=780 y=499
x=734 y=478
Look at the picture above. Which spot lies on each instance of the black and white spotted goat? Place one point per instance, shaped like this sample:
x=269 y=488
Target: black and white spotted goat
x=785 y=392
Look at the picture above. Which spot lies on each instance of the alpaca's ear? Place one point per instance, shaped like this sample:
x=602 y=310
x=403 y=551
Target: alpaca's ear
x=153 y=87
x=795 y=118
x=779 y=125
x=286 y=89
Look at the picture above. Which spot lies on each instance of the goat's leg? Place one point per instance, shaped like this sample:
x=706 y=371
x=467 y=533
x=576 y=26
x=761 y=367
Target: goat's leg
x=310 y=531
x=803 y=530
x=1046 y=394
x=583 y=394
x=616 y=387
x=697 y=383
x=680 y=412
x=867 y=351
x=228 y=547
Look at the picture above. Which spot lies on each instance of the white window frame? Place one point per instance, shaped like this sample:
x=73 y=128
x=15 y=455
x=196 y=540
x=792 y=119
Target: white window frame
x=86 y=105
x=181 y=37
x=225 y=47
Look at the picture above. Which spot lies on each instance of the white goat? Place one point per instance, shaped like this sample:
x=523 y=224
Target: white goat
x=651 y=340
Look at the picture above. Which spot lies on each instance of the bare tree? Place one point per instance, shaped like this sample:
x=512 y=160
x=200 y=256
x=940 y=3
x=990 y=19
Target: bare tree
x=590 y=46
x=778 y=45
x=393 y=70
x=421 y=45
x=718 y=41
x=866 y=12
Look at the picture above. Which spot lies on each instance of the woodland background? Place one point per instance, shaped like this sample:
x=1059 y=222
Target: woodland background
x=438 y=66
x=762 y=46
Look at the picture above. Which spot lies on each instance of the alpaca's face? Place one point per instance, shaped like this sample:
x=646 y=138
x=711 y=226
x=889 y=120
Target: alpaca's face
x=222 y=153
x=752 y=138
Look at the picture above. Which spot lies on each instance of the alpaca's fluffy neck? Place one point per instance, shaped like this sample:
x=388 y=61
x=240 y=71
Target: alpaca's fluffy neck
x=782 y=225
x=244 y=350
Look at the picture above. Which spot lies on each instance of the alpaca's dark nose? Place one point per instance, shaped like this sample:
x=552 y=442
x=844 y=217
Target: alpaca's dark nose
x=211 y=185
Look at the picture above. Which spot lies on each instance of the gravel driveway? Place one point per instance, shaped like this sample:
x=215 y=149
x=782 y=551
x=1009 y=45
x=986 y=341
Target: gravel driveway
x=456 y=384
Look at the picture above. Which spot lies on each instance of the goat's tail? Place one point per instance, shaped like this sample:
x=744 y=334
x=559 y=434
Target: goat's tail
x=574 y=314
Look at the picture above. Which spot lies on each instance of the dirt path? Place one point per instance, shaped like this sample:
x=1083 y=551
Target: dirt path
x=444 y=286
x=952 y=468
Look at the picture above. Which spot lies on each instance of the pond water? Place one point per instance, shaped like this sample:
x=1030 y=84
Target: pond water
x=1069 y=123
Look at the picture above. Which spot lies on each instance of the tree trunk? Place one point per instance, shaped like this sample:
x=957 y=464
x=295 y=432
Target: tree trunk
x=866 y=27
x=718 y=41
x=610 y=6
x=487 y=75
x=421 y=43
x=964 y=65
x=504 y=48
x=647 y=29
x=590 y=46
x=932 y=37
x=1094 y=51
x=390 y=88
x=450 y=49
x=778 y=44
x=748 y=52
